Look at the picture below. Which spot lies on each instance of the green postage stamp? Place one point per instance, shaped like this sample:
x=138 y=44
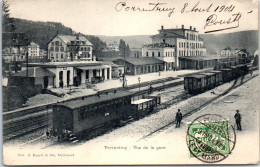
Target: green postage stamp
x=210 y=138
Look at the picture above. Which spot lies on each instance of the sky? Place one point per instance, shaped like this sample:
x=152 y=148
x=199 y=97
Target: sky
x=117 y=18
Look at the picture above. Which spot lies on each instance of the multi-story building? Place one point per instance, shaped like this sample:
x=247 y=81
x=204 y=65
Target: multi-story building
x=162 y=51
x=33 y=50
x=69 y=48
x=186 y=41
x=12 y=54
x=227 y=52
x=113 y=46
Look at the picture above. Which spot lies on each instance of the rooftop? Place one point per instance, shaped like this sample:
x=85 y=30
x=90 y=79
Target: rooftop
x=64 y=64
x=78 y=103
x=68 y=38
x=35 y=72
x=142 y=60
x=169 y=35
x=202 y=57
x=159 y=45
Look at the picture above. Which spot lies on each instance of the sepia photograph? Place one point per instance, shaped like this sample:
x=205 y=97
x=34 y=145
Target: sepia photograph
x=130 y=82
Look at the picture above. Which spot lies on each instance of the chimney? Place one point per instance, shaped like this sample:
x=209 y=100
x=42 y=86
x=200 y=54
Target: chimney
x=190 y=27
x=182 y=26
x=161 y=27
x=194 y=29
x=77 y=36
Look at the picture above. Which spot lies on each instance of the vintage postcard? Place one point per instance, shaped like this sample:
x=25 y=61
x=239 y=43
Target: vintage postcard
x=130 y=82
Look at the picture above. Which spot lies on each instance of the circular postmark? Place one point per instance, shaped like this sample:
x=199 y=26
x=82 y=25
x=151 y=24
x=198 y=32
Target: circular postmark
x=210 y=138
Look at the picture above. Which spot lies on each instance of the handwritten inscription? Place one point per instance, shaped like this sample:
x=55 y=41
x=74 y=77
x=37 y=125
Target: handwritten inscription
x=213 y=22
x=153 y=7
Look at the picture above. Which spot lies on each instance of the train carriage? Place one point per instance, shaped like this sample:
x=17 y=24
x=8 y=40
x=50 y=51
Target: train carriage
x=195 y=83
x=82 y=115
x=242 y=69
x=234 y=71
x=226 y=74
x=218 y=77
x=210 y=79
x=144 y=106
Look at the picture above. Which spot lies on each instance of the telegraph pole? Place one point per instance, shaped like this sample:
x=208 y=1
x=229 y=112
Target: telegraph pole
x=27 y=61
x=124 y=70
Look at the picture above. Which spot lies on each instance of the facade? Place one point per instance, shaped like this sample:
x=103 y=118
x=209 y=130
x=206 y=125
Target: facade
x=74 y=73
x=12 y=54
x=162 y=51
x=33 y=50
x=241 y=55
x=141 y=65
x=227 y=52
x=64 y=48
x=186 y=41
x=113 y=46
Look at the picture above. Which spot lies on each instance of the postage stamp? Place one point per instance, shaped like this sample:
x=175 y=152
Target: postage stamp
x=210 y=138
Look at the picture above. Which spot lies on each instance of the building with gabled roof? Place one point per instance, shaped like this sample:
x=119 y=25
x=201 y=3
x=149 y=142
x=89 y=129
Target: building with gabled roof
x=33 y=50
x=64 y=48
x=141 y=65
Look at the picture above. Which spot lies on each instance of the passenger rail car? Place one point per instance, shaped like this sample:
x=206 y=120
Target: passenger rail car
x=88 y=113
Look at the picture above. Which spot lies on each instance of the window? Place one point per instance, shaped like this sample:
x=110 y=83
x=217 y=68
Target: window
x=152 y=54
x=51 y=49
x=81 y=49
x=61 y=56
x=159 y=54
x=52 y=43
x=146 y=54
x=57 y=56
x=62 y=49
x=166 y=54
x=57 y=43
x=56 y=49
x=85 y=49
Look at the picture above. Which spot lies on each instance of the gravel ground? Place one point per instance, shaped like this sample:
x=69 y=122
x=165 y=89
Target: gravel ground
x=169 y=144
x=136 y=130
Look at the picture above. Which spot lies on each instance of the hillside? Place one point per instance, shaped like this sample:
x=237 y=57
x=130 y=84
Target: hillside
x=42 y=32
x=243 y=40
x=213 y=42
x=135 y=41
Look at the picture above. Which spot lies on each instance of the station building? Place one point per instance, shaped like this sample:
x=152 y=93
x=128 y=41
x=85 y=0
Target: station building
x=186 y=41
x=141 y=65
x=164 y=52
x=67 y=74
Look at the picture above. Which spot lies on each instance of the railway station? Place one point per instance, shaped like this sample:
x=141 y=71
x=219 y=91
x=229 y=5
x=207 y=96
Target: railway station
x=68 y=73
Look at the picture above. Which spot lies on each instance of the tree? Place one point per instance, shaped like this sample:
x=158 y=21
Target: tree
x=124 y=48
x=7 y=21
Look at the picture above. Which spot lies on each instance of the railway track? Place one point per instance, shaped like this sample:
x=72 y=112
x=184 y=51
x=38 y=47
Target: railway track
x=18 y=123
x=234 y=86
x=15 y=127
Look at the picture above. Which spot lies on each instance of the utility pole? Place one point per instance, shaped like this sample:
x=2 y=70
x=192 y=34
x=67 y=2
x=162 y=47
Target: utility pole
x=27 y=54
x=124 y=70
